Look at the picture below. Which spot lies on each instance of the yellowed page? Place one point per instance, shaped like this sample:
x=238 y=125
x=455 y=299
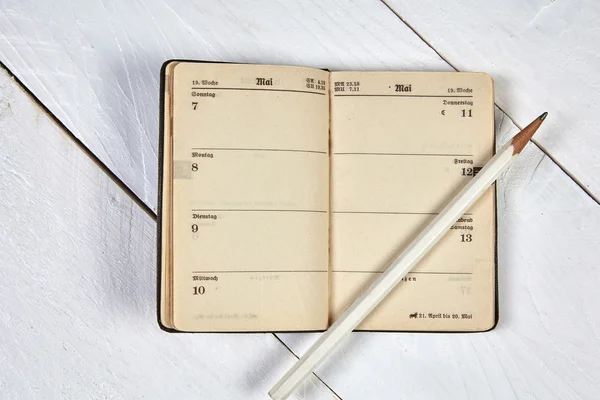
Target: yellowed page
x=403 y=144
x=250 y=198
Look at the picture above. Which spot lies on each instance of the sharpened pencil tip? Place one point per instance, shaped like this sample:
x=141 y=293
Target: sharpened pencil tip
x=523 y=137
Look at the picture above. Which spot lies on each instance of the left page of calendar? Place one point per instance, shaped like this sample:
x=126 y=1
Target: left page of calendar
x=245 y=198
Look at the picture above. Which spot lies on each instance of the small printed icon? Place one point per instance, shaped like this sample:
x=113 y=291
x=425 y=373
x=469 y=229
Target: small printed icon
x=413 y=315
x=443 y=112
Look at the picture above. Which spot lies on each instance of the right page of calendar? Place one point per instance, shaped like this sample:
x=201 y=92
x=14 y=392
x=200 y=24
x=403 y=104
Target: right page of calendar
x=402 y=145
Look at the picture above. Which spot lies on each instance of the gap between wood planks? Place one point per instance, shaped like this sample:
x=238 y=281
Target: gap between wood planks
x=82 y=146
x=539 y=145
x=134 y=197
x=152 y=214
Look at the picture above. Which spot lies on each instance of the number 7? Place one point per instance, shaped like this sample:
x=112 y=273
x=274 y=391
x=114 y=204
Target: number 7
x=194 y=104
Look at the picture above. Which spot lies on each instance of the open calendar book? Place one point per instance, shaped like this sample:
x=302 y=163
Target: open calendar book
x=285 y=191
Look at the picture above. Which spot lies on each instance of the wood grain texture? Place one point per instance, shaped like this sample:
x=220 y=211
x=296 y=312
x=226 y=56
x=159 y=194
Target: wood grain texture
x=78 y=255
x=546 y=345
x=78 y=287
x=96 y=65
x=543 y=55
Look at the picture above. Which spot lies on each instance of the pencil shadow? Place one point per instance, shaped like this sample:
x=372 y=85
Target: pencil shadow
x=272 y=366
x=507 y=275
x=349 y=353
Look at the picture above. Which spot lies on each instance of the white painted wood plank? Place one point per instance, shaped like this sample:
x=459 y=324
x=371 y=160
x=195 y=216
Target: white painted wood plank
x=78 y=282
x=69 y=54
x=95 y=65
x=546 y=345
x=543 y=55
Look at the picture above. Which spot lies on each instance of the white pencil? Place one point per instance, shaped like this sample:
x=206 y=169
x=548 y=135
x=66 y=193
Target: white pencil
x=364 y=304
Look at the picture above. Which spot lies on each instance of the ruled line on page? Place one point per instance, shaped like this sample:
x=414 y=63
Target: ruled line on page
x=257 y=272
x=404 y=154
x=415 y=272
x=400 y=95
x=259 y=90
x=258 y=149
x=389 y=212
x=258 y=210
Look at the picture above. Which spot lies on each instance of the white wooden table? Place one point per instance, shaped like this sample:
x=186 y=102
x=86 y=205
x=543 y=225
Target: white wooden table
x=78 y=171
